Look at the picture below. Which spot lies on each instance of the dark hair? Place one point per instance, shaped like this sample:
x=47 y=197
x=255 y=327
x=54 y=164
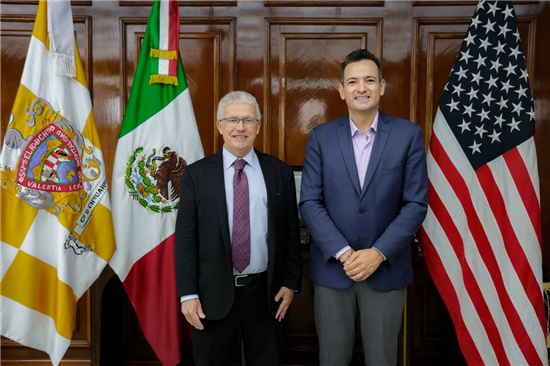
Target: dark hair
x=359 y=55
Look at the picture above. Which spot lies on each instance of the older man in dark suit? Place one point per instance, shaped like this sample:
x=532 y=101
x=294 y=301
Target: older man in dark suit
x=364 y=195
x=238 y=260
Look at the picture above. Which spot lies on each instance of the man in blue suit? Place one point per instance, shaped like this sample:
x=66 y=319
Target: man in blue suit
x=364 y=195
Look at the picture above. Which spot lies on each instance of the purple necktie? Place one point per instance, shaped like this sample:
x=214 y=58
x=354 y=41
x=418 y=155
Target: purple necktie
x=241 y=218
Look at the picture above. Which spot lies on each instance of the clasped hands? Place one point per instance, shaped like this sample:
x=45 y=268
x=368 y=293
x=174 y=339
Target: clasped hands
x=361 y=264
x=192 y=309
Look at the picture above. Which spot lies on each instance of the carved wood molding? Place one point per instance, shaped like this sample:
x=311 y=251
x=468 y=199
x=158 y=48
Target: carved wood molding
x=283 y=37
x=430 y=56
x=181 y=3
x=461 y=2
x=35 y=2
x=347 y=3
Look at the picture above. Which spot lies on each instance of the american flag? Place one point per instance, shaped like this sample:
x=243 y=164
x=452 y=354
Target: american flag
x=482 y=236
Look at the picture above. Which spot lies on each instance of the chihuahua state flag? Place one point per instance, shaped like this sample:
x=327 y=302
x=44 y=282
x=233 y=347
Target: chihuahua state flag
x=56 y=228
x=158 y=139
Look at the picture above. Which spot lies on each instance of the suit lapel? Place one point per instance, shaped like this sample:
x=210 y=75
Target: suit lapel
x=218 y=192
x=346 y=146
x=380 y=141
x=271 y=188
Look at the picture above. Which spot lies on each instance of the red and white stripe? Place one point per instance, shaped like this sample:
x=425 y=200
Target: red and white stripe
x=481 y=241
x=169 y=36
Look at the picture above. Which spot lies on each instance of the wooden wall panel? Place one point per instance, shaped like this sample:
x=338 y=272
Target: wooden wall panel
x=35 y=2
x=324 y=3
x=182 y=3
x=458 y=3
x=431 y=336
x=303 y=73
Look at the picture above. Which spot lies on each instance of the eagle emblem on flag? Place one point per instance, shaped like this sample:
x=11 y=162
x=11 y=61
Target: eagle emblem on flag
x=154 y=180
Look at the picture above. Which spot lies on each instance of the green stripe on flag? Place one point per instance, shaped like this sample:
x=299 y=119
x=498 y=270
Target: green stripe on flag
x=147 y=100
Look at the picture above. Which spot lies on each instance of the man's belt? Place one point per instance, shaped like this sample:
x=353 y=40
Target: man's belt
x=249 y=279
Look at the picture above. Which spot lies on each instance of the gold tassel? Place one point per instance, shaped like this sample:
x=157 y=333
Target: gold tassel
x=168 y=55
x=163 y=79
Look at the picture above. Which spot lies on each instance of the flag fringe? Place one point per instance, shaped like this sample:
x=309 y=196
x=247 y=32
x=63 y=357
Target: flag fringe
x=165 y=54
x=65 y=65
x=163 y=79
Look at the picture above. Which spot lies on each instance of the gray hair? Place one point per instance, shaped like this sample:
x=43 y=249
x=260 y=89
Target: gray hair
x=234 y=98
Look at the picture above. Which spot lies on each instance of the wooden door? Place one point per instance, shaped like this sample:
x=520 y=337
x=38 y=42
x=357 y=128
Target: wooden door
x=287 y=54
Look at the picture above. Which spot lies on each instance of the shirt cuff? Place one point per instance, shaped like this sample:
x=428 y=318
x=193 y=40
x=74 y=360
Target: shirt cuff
x=342 y=251
x=189 y=297
x=383 y=256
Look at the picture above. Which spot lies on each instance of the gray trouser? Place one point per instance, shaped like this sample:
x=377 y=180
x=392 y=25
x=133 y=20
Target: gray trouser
x=335 y=318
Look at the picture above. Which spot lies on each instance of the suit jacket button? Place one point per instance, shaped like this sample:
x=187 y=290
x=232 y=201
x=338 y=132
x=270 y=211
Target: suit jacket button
x=362 y=212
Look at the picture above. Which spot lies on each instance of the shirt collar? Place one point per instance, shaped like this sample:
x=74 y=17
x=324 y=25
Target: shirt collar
x=228 y=158
x=374 y=125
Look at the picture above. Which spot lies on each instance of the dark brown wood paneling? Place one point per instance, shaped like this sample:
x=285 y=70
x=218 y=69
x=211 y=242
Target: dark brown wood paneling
x=324 y=3
x=35 y=2
x=181 y=3
x=458 y=3
x=540 y=80
x=433 y=39
x=302 y=76
x=431 y=336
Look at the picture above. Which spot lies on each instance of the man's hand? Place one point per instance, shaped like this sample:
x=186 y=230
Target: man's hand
x=287 y=295
x=345 y=255
x=192 y=310
x=362 y=264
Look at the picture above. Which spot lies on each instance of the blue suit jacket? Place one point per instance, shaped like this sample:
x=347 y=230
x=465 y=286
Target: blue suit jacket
x=385 y=214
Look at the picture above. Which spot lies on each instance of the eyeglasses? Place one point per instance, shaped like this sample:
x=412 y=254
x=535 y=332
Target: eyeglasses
x=235 y=121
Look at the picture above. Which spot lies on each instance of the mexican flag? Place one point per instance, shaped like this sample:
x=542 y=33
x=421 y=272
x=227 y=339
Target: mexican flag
x=56 y=228
x=158 y=139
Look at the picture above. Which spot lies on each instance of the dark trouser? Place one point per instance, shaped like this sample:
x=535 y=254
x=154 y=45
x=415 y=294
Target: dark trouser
x=261 y=332
x=336 y=315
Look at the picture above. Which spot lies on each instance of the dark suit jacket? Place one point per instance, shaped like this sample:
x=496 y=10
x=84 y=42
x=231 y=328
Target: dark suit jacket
x=203 y=246
x=385 y=214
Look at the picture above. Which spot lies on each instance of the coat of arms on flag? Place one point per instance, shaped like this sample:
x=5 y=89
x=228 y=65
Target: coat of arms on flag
x=154 y=180
x=57 y=233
